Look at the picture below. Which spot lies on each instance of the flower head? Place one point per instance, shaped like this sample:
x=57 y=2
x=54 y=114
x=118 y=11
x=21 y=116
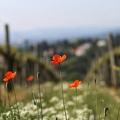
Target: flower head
x=9 y=75
x=75 y=84
x=56 y=59
x=30 y=78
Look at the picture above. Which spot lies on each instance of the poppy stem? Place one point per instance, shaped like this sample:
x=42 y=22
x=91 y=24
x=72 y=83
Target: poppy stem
x=40 y=96
x=97 y=112
x=9 y=102
x=118 y=113
x=76 y=97
x=76 y=100
x=16 y=99
x=35 y=102
x=61 y=81
x=101 y=107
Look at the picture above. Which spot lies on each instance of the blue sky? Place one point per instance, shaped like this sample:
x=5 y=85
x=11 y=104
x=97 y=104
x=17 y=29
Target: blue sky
x=25 y=15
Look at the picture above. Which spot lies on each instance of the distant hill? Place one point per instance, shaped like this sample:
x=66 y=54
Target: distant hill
x=52 y=35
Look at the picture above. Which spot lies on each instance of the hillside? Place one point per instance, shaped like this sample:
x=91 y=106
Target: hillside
x=55 y=34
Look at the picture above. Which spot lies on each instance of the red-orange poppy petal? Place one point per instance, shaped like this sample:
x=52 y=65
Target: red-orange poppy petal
x=30 y=78
x=10 y=75
x=5 y=79
x=54 y=62
x=56 y=58
x=75 y=84
x=63 y=57
x=71 y=85
x=14 y=74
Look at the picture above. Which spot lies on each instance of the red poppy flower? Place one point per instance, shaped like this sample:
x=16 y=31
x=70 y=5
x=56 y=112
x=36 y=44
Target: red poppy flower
x=75 y=84
x=30 y=78
x=9 y=75
x=56 y=59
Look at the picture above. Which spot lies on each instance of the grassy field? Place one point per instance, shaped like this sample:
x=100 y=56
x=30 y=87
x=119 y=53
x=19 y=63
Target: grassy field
x=91 y=102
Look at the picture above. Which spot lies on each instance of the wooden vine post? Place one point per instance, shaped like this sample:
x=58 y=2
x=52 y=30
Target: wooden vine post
x=112 y=60
x=9 y=59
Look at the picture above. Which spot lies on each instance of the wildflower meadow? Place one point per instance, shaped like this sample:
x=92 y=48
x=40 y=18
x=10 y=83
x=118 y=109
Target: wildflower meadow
x=65 y=100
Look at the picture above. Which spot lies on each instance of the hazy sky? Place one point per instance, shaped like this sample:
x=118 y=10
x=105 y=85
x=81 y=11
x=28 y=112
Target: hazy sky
x=32 y=14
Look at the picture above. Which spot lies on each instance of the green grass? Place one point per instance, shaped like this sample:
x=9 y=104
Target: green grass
x=52 y=102
x=105 y=99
